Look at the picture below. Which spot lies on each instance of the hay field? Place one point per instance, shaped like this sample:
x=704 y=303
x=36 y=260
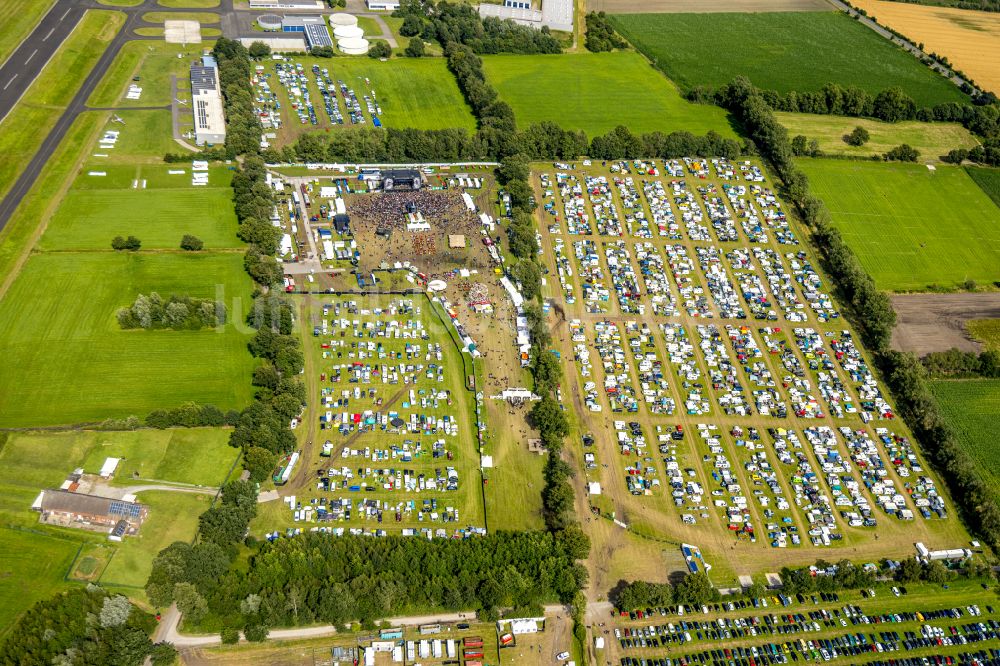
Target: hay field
x=911 y=227
x=931 y=139
x=787 y=51
x=595 y=92
x=970 y=39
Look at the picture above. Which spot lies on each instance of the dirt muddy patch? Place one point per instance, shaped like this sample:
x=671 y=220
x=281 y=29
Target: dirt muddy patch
x=936 y=322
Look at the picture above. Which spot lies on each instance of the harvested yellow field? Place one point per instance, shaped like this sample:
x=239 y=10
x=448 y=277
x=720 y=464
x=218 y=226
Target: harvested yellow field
x=969 y=39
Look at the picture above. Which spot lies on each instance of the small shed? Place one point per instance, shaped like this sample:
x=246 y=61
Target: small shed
x=109 y=467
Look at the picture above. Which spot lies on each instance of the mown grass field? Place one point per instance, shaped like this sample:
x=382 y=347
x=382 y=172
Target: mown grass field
x=67 y=361
x=799 y=51
x=153 y=62
x=988 y=181
x=25 y=127
x=909 y=226
x=89 y=219
x=172 y=517
x=32 y=567
x=188 y=4
x=932 y=139
x=413 y=93
x=595 y=92
x=971 y=407
x=162 y=17
x=18 y=18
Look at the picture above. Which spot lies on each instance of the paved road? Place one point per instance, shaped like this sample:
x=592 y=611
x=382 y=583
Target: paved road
x=24 y=64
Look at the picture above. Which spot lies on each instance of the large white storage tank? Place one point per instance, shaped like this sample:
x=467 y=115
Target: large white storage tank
x=348 y=32
x=353 y=45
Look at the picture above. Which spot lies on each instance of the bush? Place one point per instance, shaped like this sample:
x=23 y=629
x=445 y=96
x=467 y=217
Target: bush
x=902 y=153
x=131 y=243
x=380 y=49
x=259 y=50
x=415 y=49
x=229 y=635
x=601 y=36
x=179 y=313
x=191 y=243
x=859 y=136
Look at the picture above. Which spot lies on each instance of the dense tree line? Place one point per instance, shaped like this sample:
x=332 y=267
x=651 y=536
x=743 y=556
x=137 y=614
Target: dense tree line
x=179 y=313
x=447 y=22
x=191 y=415
x=956 y=363
x=254 y=202
x=84 y=626
x=905 y=376
x=691 y=589
x=981 y=5
x=601 y=35
x=318 y=578
x=620 y=143
x=243 y=128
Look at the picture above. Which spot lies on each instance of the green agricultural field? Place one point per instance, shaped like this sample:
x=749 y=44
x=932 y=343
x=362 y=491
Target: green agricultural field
x=932 y=139
x=988 y=180
x=153 y=62
x=18 y=18
x=32 y=567
x=911 y=227
x=25 y=127
x=173 y=516
x=67 y=361
x=971 y=407
x=595 y=92
x=89 y=219
x=788 y=51
x=986 y=331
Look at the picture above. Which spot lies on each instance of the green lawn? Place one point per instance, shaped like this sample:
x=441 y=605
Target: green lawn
x=932 y=139
x=413 y=93
x=32 y=567
x=25 y=127
x=89 y=219
x=988 y=181
x=18 y=18
x=66 y=360
x=157 y=177
x=595 y=92
x=161 y=17
x=971 y=407
x=909 y=226
x=153 y=62
x=172 y=517
x=782 y=51
x=188 y=4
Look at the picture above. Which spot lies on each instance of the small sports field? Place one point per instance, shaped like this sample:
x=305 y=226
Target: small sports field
x=911 y=227
x=595 y=92
x=787 y=51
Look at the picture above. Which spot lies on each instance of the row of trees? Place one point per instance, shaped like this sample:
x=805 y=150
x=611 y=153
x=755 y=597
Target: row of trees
x=987 y=153
x=905 y=376
x=191 y=415
x=691 y=589
x=956 y=363
x=447 y=22
x=122 y=243
x=84 y=626
x=243 y=128
x=180 y=313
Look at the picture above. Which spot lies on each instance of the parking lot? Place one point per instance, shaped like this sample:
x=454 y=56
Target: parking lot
x=728 y=403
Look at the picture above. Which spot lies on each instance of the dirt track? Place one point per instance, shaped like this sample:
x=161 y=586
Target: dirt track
x=706 y=6
x=936 y=322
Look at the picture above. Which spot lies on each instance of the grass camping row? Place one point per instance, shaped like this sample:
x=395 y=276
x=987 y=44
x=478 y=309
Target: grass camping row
x=798 y=51
x=911 y=227
x=25 y=127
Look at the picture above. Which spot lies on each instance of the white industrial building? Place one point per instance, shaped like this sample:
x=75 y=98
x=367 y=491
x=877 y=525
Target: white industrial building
x=555 y=14
x=382 y=5
x=286 y=4
x=206 y=103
